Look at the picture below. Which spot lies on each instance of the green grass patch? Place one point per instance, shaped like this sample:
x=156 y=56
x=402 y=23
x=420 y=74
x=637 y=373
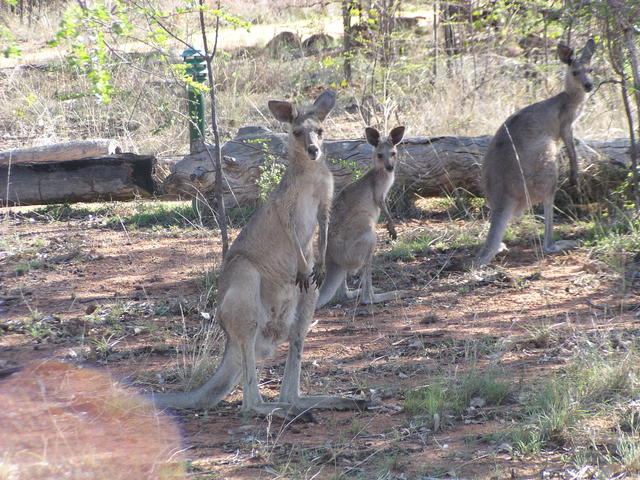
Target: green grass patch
x=594 y=385
x=239 y=216
x=409 y=249
x=143 y=214
x=626 y=452
x=66 y=211
x=209 y=283
x=26 y=267
x=614 y=238
x=458 y=205
x=449 y=398
x=161 y=214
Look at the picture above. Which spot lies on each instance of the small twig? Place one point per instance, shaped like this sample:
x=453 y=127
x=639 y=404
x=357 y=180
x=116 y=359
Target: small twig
x=624 y=307
x=403 y=340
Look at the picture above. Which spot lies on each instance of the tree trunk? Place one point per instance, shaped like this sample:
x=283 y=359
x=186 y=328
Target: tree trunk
x=347 y=38
x=429 y=166
x=217 y=160
x=61 y=152
x=116 y=177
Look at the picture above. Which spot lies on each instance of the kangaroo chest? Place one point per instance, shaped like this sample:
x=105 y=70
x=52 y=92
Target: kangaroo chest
x=383 y=184
x=311 y=192
x=306 y=213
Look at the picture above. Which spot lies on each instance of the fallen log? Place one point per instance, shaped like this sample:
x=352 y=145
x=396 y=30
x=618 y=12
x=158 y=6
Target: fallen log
x=115 y=177
x=428 y=166
x=59 y=152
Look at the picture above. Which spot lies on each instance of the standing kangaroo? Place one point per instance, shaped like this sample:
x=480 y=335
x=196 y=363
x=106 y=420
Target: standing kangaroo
x=521 y=167
x=352 y=234
x=264 y=296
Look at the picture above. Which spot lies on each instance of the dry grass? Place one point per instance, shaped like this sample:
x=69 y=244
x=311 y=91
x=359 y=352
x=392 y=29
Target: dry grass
x=469 y=95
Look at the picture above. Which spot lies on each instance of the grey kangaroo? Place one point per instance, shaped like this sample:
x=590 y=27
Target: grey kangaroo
x=521 y=168
x=264 y=294
x=352 y=234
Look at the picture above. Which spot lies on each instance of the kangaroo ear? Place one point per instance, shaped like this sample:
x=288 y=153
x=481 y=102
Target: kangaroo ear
x=373 y=136
x=396 y=135
x=565 y=53
x=588 y=51
x=323 y=104
x=283 y=111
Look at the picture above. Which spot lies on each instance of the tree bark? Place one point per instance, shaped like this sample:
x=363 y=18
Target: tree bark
x=61 y=152
x=116 y=177
x=428 y=166
x=217 y=160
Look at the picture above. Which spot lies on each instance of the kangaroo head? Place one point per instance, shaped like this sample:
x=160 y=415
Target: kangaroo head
x=578 y=69
x=385 y=152
x=305 y=136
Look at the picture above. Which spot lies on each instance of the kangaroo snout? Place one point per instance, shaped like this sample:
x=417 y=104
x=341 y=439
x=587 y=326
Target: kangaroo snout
x=313 y=151
x=389 y=168
x=588 y=86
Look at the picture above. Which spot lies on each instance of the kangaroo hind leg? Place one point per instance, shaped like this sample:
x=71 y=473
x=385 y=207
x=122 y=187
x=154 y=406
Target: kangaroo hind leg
x=290 y=390
x=549 y=245
x=368 y=294
x=242 y=315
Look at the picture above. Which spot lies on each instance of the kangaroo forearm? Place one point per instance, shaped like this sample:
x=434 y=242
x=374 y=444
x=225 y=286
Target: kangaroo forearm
x=301 y=259
x=567 y=138
x=289 y=226
x=573 y=164
x=385 y=209
x=323 y=222
x=573 y=157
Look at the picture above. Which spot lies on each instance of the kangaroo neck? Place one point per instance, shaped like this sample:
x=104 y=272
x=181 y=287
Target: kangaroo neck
x=570 y=105
x=574 y=93
x=300 y=161
x=383 y=179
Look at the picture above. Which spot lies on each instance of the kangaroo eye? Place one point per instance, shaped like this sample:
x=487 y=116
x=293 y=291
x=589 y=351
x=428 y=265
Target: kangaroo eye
x=320 y=132
x=380 y=156
x=297 y=133
x=393 y=154
x=575 y=74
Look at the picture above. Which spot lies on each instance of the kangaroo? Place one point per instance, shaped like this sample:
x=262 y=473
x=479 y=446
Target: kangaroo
x=355 y=212
x=264 y=294
x=521 y=168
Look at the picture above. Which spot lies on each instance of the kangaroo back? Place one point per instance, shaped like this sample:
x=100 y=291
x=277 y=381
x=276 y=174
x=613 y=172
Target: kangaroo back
x=520 y=167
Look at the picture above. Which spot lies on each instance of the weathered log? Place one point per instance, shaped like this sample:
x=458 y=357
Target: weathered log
x=115 y=177
x=429 y=166
x=60 y=152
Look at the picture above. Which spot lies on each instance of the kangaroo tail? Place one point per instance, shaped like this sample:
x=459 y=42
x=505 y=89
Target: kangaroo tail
x=223 y=381
x=335 y=276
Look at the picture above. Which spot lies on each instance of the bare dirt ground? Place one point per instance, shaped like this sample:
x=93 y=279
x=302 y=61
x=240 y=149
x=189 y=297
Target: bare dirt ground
x=58 y=278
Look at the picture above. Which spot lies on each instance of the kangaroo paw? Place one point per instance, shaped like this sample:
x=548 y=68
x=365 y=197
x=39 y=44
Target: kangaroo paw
x=561 y=245
x=285 y=411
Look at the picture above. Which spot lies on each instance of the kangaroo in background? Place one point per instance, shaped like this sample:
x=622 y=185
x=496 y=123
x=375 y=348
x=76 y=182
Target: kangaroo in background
x=521 y=167
x=264 y=295
x=352 y=234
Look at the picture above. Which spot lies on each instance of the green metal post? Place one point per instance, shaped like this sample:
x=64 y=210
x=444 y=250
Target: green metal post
x=197 y=127
x=195 y=98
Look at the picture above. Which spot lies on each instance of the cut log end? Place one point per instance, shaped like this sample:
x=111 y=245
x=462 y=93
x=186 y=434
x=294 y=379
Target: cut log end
x=115 y=177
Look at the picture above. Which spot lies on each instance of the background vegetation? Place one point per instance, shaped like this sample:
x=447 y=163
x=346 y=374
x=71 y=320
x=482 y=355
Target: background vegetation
x=92 y=69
